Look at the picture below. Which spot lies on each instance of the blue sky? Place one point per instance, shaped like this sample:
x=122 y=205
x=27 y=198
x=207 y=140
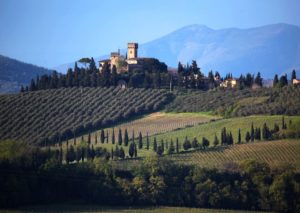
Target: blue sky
x=53 y=32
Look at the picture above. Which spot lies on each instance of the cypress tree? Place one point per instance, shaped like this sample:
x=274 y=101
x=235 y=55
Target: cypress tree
x=231 y=138
x=96 y=139
x=88 y=153
x=223 y=136
x=93 y=153
x=74 y=140
x=247 y=137
x=140 y=142
x=195 y=143
x=239 y=137
x=205 y=142
x=177 y=146
x=22 y=89
x=112 y=153
x=102 y=136
x=120 y=137
x=276 y=128
x=82 y=153
x=147 y=142
x=252 y=133
x=186 y=144
x=71 y=155
x=275 y=81
x=67 y=156
x=61 y=155
x=154 y=145
x=171 y=149
x=78 y=154
x=117 y=152
x=126 y=138
x=159 y=151
x=266 y=132
x=132 y=138
x=131 y=150
x=283 y=123
x=89 y=138
x=162 y=144
x=113 y=136
x=135 y=150
x=106 y=136
x=216 y=140
x=293 y=75
x=121 y=153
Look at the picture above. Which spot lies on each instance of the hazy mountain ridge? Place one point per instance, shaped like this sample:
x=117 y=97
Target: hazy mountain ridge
x=269 y=49
x=14 y=73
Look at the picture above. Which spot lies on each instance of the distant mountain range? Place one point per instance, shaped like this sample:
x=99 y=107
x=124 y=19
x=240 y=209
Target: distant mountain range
x=268 y=49
x=14 y=73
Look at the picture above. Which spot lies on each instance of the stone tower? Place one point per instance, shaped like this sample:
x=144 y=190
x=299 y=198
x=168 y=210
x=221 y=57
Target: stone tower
x=132 y=50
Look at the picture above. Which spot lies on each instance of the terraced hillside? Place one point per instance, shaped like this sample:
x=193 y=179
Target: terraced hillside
x=49 y=115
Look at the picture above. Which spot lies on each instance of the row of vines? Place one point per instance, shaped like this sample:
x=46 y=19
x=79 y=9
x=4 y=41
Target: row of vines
x=51 y=115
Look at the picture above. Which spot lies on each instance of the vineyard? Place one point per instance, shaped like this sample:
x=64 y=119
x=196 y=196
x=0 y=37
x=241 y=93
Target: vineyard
x=244 y=102
x=50 y=115
x=157 y=123
x=275 y=153
x=209 y=130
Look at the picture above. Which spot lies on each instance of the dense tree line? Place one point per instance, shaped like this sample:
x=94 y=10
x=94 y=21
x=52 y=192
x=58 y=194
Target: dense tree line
x=49 y=116
x=152 y=74
x=283 y=80
x=33 y=176
x=231 y=102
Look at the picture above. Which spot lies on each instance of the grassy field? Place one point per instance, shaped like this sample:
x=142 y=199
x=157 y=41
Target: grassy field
x=165 y=121
x=157 y=123
x=209 y=130
x=154 y=123
x=104 y=209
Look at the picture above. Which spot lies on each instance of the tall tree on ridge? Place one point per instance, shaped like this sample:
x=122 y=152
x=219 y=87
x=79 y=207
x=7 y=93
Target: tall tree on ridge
x=140 y=141
x=120 y=137
x=275 y=81
x=126 y=138
x=113 y=136
x=102 y=136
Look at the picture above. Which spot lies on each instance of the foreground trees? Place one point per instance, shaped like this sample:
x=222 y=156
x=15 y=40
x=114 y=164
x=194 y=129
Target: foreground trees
x=156 y=181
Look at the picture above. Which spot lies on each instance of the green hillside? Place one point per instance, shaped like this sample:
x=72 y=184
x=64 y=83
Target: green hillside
x=236 y=102
x=48 y=116
x=14 y=73
x=274 y=153
x=209 y=130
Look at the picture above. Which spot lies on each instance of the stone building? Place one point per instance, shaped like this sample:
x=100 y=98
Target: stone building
x=122 y=63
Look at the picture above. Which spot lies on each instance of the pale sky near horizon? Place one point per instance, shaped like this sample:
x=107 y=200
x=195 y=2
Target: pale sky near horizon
x=53 y=32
